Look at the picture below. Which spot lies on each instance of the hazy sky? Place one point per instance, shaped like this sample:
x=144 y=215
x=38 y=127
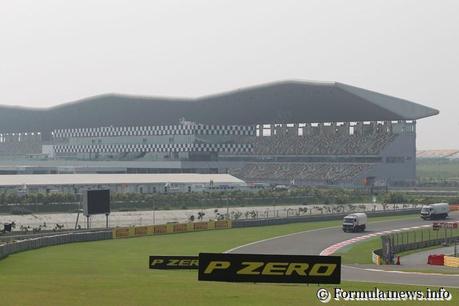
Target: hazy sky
x=58 y=51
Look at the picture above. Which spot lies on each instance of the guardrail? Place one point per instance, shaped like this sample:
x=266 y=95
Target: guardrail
x=39 y=242
x=20 y=235
x=15 y=246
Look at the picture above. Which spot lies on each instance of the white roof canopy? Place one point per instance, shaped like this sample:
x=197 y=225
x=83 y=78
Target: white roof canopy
x=115 y=179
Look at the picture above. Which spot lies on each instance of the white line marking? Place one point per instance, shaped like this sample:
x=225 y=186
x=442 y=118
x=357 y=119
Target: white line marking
x=396 y=282
x=404 y=272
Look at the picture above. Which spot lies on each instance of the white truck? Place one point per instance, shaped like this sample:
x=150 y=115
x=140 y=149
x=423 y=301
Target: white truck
x=435 y=211
x=356 y=222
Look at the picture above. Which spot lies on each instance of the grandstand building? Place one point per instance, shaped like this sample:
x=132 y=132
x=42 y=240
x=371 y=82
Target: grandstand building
x=302 y=133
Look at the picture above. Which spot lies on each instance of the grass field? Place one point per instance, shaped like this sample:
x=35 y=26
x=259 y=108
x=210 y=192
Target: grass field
x=359 y=253
x=115 y=272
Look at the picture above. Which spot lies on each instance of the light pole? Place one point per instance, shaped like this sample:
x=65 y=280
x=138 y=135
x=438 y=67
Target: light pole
x=154 y=210
x=455 y=247
x=227 y=209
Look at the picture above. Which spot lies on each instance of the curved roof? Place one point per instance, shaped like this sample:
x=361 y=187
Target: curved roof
x=281 y=102
x=298 y=102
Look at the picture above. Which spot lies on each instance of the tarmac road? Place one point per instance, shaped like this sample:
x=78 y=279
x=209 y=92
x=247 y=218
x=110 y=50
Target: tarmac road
x=314 y=241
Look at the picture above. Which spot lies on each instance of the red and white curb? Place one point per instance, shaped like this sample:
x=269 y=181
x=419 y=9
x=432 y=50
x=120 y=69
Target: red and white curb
x=335 y=247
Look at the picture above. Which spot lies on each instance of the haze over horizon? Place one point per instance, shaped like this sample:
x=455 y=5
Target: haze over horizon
x=55 y=52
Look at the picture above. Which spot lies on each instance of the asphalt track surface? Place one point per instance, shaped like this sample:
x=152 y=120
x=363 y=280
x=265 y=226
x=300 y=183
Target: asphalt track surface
x=312 y=242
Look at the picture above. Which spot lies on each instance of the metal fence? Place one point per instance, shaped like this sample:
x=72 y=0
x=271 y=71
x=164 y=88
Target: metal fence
x=39 y=242
x=420 y=238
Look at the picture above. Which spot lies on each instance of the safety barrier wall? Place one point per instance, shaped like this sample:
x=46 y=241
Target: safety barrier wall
x=39 y=242
x=170 y=228
x=324 y=217
x=451 y=261
x=436 y=259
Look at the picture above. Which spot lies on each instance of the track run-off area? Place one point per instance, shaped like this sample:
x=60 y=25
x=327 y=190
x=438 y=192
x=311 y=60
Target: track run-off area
x=324 y=241
x=116 y=271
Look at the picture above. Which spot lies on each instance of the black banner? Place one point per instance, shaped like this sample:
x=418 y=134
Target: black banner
x=174 y=262
x=259 y=268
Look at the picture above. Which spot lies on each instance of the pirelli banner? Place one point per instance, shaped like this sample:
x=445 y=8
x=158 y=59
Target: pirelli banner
x=121 y=232
x=174 y=262
x=257 y=268
x=170 y=228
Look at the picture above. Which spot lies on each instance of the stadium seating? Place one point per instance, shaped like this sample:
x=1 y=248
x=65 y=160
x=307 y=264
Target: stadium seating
x=331 y=172
x=322 y=144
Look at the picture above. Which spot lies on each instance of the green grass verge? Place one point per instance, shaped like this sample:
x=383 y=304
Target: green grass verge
x=360 y=252
x=115 y=272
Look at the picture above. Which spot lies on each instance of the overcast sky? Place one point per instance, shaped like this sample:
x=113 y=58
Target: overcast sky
x=53 y=52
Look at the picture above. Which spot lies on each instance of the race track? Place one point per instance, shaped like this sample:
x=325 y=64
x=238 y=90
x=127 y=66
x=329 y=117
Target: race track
x=314 y=241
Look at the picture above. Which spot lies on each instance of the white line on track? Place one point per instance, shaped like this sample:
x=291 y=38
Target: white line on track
x=403 y=272
x=411 y=272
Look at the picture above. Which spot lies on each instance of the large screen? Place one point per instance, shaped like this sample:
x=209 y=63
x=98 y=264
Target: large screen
x=96 y=202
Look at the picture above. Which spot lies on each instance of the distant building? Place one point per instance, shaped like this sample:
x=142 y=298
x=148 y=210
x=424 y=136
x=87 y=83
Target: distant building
x=302 y=133
x=135 y=183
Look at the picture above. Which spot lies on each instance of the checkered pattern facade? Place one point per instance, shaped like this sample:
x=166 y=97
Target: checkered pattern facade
x=131 y=148
x=197 y=129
